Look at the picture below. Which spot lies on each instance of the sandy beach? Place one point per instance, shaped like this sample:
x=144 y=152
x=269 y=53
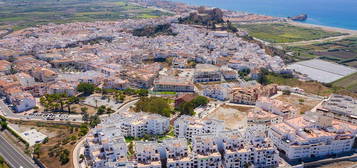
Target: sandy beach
x=326 y=28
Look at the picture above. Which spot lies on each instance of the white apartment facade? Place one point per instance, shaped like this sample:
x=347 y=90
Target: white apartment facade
x=207 y=73
x=173 y=84
x=147 y=155
x=205 y=152
x=177 y=153
x=301 y=138
x=340 y=107
x=277 y=107
x=187 y=127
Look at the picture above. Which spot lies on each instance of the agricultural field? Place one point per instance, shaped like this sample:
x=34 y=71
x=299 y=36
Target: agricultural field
x=285 y=33
x=342 y=51
x=348 y=82
x=18 y=14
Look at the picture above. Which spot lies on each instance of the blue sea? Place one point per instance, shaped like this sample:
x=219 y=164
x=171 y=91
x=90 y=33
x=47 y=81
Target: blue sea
x=334 y=13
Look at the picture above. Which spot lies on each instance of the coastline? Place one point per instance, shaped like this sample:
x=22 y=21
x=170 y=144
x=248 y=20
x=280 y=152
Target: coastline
x=295 y=23
x=326 y=28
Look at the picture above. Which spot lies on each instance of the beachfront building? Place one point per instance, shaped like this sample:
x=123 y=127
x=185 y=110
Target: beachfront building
x=205 y=152
x=277 y=107
x=147 y=155
x=177 y=153
x=340 y=107
x=312 y=136
x=173 y=84
x=187 y=126
x=207 y=73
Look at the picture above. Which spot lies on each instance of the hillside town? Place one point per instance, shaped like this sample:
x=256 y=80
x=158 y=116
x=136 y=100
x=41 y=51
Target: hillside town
x=153 y=96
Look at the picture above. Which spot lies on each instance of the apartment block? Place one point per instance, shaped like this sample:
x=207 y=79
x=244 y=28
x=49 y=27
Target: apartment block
x=173 y=84
x=187 y=126
x=205 y=152
x=250 y=94
x=147 y=155
x=277 y=107
x=207 y=73
x=239 y=152
x=106 y=148
x=340 y=107
x=177 y=153
x=260 y=121
x=312 y=136
x=138 y=124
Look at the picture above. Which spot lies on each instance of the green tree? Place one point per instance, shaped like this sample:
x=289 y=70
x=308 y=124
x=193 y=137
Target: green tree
x=86 y=88
x=200 y=101
x=64 y=156
x=84 y=110
x=36 y=150
x=45 y=140
x=187 y=108
x=3 y=124
x=71 y=100
x=153 y=105
x=83 y=129
x=101 y=110
x=94 y=121
x=129 y=91
x=142 y=92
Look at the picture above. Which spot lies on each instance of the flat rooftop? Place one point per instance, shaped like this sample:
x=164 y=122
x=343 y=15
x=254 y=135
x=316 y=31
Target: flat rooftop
x=322 y=71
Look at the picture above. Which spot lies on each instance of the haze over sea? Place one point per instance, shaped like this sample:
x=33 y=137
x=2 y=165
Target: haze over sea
x=333 y=13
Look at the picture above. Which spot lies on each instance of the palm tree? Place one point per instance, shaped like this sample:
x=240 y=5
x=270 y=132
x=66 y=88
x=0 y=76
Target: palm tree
x=71 y=100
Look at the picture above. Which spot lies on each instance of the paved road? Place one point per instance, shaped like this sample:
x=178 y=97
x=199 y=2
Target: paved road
x=8 y=113
x=13 y=156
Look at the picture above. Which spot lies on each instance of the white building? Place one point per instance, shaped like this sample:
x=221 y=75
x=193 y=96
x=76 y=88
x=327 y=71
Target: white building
x=138 y=124
x=239 y=152
x=187 y=126
x=147 y=154
x=206 y=73
x=177 y=153
x=277 y=107
x=33 y=137
x=340 y=107
x=22 y=101
x=173 y=84
x=106 y=148
x=309 y=137
x=219 y=91
x=260 y=121
x=205 y=152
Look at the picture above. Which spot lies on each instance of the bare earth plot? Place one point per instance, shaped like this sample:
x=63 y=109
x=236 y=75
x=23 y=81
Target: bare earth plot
x=234 y=117
x=303 y=103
